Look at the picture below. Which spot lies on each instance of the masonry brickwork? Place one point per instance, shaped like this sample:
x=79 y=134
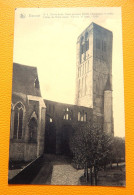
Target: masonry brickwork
x=61 y=121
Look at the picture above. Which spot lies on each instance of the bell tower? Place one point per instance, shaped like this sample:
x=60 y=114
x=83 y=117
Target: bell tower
x=94 y=71
x=84 y=68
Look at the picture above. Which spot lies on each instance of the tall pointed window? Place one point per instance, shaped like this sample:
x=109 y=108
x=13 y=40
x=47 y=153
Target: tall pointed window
x=86 y=41
x=68 y=114
x=79 y=115
x=85 y=117
x=82 y=117
x=82 y=45
x=18 y=120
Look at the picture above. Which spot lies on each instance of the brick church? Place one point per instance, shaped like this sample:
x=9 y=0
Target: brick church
x=38 y=125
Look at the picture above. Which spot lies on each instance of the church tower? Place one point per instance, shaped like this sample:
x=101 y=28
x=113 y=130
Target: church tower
x=94 y=73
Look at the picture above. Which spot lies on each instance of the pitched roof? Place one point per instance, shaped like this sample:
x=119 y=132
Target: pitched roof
x=24 y=78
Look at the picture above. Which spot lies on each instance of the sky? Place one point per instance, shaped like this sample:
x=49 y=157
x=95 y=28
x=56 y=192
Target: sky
x=46 y=38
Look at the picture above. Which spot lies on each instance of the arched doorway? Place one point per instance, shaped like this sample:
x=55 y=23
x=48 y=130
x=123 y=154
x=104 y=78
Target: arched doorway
x=67 y=132
x=50 y=136
x=33 y=129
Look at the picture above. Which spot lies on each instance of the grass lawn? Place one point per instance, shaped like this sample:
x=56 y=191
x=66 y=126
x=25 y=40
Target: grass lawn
x=109 y=177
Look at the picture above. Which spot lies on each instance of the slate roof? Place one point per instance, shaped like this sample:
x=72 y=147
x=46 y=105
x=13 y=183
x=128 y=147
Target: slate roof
x=24 y=78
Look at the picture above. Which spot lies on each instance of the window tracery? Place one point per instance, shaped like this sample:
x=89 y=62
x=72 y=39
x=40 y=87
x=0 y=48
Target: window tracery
x=18 y=120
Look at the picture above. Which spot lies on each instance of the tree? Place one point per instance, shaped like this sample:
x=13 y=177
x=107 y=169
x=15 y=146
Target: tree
x=118 y=152
x=91 y=148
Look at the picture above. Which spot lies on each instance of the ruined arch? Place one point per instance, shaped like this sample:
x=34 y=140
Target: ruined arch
x=33 y=129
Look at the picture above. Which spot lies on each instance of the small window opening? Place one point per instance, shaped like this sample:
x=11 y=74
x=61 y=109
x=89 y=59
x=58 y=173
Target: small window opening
x=36 y=83
x=51 y=120
x=66 y=116
x=78 y=116
x=85 y=116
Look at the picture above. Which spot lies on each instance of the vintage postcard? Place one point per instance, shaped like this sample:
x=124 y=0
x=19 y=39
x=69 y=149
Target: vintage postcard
x=67 y=110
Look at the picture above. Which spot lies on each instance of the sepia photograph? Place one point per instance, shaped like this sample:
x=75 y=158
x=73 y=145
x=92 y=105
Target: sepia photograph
x=67 y=122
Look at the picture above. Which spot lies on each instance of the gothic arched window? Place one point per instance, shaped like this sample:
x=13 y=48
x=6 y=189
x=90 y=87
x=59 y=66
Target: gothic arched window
x=79 y=115
x=86 y=41
x=85 y=117
x=67 y=116
x=18 y=120
x=71 y=115
x=82 y=45
x=82 y=116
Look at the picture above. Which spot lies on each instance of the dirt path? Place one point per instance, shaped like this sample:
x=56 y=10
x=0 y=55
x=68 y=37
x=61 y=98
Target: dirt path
x=65 y=175
x=57 y=170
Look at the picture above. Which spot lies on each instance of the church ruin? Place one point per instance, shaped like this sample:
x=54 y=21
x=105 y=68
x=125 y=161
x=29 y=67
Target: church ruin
x=38 y=125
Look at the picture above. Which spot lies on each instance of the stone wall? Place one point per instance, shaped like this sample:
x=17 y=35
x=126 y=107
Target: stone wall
x=30 y=152
x=16 y=151
x=98 y=71
x=102 y=68
x=25 y=148
x=84 y=69
x=60 y=122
